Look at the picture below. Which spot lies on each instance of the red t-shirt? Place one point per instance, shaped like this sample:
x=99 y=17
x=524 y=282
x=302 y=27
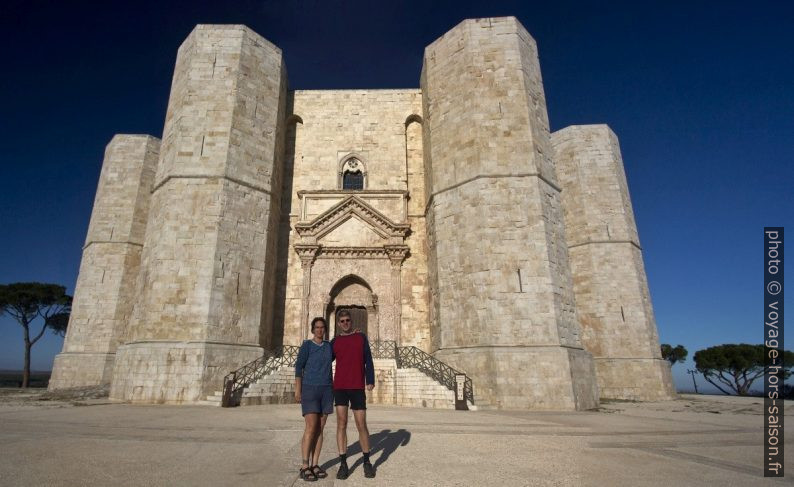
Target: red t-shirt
x=351 y=356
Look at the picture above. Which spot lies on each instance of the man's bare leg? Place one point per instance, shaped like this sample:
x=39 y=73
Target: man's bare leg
x=360 y=415
x=341 y=429
x=341 y=441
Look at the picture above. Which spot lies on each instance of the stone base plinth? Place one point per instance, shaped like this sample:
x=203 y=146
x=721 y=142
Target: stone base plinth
x=640 y=379
x=81 y=369
x=170 y=372
x=539 y=378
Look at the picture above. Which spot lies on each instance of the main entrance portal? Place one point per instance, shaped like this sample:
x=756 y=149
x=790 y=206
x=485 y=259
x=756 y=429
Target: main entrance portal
x=353 y=294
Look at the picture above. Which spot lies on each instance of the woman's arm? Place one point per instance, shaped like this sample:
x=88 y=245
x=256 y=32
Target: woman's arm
x=300 y=363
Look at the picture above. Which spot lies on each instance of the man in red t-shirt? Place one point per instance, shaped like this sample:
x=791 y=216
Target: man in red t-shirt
x=353 y=366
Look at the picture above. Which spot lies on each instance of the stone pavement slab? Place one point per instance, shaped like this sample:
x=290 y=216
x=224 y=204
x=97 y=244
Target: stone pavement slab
x=694 y=441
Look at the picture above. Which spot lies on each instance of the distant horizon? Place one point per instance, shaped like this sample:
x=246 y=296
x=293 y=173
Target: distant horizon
x=709 y=388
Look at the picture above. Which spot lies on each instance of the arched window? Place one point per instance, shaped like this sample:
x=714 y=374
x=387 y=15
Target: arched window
x=353 y=180
x=352 y=174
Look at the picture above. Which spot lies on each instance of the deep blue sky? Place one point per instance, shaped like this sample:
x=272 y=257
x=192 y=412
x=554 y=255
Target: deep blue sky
x=700 y=94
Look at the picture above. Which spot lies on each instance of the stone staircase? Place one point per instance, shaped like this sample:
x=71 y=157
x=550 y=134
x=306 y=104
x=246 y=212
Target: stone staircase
x=214 y=399
x=276 y=388
x=393 y=386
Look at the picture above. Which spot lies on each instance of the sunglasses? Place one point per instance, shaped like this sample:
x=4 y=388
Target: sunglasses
x=344 y=321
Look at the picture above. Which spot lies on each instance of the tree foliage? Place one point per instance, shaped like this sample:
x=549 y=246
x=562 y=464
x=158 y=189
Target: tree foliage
x=735 y=367
x=28 y=302
x=674 y=355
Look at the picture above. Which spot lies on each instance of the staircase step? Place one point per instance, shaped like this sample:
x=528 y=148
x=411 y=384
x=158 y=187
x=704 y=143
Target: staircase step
x=405 y=387
x=208 y=403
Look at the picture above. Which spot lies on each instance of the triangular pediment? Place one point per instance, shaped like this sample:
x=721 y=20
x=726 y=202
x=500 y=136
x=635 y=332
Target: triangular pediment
x=343 y=212
x=353 y=232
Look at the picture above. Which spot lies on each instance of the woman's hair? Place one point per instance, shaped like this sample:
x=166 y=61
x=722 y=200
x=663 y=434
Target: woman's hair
x=319 y=318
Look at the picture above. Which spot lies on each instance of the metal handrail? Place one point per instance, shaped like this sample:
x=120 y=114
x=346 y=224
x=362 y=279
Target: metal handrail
x=235 y=382
x=406 y=357
x=384 y=349
x=436 y=369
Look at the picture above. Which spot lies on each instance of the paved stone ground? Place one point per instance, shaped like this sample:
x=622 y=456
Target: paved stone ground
x=696 y=440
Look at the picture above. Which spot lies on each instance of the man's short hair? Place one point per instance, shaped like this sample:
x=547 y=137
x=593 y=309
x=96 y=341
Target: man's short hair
x=342 y=313
x=319 y=318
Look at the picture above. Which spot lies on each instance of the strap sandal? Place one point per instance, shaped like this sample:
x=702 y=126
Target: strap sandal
x=307 y=474
x=319 y=472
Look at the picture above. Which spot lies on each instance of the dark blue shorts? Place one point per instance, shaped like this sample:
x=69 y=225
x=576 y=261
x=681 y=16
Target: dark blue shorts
x=316 y=399
x=356 y=399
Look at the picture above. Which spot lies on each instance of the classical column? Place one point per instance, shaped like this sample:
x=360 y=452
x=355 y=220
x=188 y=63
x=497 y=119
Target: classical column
x=376 y=314
x=307 y=254
x=397 y=254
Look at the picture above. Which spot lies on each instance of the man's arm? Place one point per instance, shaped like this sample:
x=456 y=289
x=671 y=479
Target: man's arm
x=369 y=367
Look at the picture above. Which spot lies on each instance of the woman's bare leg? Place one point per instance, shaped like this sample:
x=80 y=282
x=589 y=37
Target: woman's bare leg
x=309 y=434
x=318 y=445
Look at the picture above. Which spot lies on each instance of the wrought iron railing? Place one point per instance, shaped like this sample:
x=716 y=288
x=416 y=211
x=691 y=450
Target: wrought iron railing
x=436 y=369
x=235 y=382
x=406 y=357
x=384 y=349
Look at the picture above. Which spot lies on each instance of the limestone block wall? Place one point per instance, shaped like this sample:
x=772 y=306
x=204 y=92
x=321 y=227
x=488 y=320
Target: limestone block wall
x=502 y=290
x=415 y=293
x=205 y=286
x=379 y=127
x=105 y=290
x=369 y=123
x=612 y=297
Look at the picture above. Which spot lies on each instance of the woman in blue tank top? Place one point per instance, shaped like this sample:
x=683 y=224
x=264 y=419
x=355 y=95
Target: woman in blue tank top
x=313 y=391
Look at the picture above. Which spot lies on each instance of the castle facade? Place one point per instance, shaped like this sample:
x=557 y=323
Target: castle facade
x=445 y=217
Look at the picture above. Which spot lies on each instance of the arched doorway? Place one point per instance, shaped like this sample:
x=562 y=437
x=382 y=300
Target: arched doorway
x=355 y=295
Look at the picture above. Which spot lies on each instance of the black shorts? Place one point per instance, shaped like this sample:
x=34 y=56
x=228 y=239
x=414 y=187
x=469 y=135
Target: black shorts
x=355 y=398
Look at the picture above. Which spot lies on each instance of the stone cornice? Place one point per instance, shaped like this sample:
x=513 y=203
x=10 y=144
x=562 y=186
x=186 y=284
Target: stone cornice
x=125 y=242
x=396 y=253
x=306 y=253
x=429 y=202
x=588 y=242
x=211 y=177
x=353 y=253
x=352 y=192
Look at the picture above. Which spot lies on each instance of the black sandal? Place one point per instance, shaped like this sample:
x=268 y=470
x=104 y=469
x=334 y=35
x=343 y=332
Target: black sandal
x=307 y=474
x=319 y=472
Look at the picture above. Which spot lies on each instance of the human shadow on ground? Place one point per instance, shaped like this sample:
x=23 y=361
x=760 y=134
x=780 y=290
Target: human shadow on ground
x=385 y=442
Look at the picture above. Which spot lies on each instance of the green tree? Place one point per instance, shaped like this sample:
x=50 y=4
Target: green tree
x=735 y=367
x=27 y=302
x=674 y=355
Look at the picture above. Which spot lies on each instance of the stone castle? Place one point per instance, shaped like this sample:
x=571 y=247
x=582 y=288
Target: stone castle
x=446 y=217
